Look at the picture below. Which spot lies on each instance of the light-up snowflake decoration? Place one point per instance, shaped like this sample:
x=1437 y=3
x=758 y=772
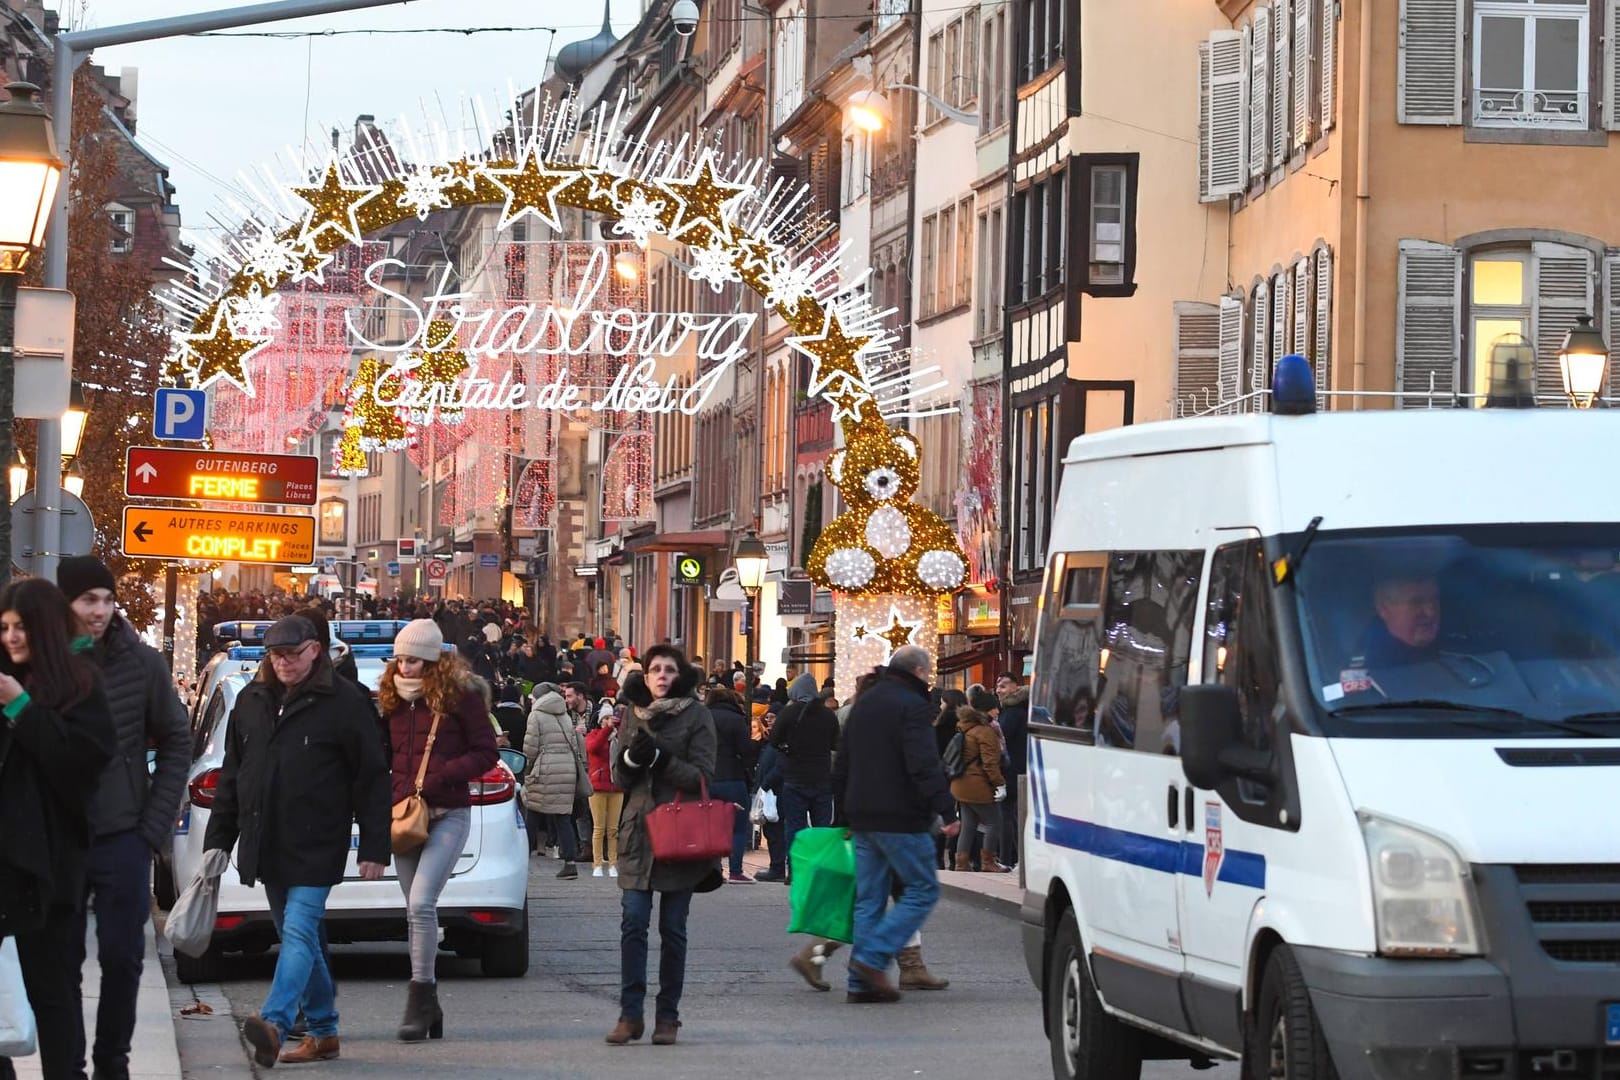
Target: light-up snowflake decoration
x=713 y=264
x=787 y=285
x=254 y=315
x=269 y=256
x=426 y=190
x=638 y=217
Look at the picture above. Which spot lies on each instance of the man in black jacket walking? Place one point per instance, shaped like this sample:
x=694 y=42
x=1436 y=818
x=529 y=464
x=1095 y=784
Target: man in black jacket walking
x=806 y=734
x=891 y=790
x=303 y=761
x=133 y=812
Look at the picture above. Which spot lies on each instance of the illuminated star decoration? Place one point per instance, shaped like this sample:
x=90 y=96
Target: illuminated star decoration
x=312 y=267
x=899 y=633
x=702 y=201
x=221 y=353
x=847 y=402
x=860 y=633
x=531 y=188
x=835 y=354
x=332 y=205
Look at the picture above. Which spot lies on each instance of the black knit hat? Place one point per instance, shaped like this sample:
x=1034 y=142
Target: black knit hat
x=78 y=574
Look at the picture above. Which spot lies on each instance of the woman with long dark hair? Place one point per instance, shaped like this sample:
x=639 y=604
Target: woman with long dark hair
x=434 y=715
x=56 y=734
x=667 y=745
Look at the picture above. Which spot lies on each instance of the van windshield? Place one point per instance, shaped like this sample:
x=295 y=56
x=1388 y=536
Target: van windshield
x=1470 y=630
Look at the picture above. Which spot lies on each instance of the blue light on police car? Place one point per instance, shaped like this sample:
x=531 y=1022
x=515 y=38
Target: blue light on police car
x=1293 y=387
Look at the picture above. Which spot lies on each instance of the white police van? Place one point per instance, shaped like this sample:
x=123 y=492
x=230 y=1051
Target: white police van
x=1335 y=763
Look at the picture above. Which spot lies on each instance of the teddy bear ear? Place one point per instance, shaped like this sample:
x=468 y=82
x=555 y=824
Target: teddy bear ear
x=906 y=443
x=835 y=467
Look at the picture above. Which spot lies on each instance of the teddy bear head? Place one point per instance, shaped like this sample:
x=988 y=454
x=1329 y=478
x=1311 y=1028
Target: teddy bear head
x=877 y=466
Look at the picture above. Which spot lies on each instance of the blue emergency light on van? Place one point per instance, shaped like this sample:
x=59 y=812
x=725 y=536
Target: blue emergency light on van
x=1293 y=387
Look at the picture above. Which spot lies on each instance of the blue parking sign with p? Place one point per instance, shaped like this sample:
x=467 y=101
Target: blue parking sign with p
x=180 y=415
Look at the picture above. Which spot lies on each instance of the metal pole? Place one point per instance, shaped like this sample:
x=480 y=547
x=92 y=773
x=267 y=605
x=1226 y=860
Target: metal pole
x=71 y=50
x=8 y=379
x=171 y=598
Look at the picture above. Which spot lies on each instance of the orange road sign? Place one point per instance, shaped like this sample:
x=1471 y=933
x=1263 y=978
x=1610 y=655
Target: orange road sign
x=160 y=532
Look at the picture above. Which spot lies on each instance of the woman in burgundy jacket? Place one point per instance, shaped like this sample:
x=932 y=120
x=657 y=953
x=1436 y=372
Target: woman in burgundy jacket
x=421 y=684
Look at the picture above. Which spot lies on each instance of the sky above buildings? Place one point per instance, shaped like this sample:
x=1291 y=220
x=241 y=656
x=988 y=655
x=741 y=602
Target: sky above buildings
x=215 y=107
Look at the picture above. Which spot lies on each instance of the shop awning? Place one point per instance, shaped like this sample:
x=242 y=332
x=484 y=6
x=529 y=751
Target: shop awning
x=986 y=651
x=677 y=541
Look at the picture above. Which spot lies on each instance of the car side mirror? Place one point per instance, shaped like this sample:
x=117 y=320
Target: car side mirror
x=515 y=760
x=1212 y=749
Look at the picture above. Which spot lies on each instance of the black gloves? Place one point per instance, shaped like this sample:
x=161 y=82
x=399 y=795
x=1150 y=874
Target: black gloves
x=643 y=748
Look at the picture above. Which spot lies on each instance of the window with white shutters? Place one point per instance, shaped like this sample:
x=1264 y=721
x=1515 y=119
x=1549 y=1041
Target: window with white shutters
x=1203 y=124
x=1304 y=46
x=1230 y=354
x=1428 y=330
x=1611 y=65
x=1259 y=87
x=1302 y=307
x=1327 y=63
x=1563 y=294
x=1197 y=375
x=1282 y=299
x=1322 y=345
x=1430 y=65
x=1259 y=346
x=1611 y=317
x=1223 y=115
x=1281 y=107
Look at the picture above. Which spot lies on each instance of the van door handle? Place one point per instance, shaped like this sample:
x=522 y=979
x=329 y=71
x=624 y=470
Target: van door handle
x=1189 y=807
x=1172 y=803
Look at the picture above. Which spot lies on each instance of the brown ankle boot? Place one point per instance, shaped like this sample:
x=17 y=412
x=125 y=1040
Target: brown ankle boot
x=665 y=1031
x=988 y=863
x=809 y=961
x=962 y=863
x=626 y=1031
x=914 y=974
x=311 y=1048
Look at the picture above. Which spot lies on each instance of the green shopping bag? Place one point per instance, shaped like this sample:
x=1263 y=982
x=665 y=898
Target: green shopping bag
x=823 y=890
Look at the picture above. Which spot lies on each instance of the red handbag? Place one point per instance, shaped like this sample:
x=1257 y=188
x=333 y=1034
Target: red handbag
x=691 y=831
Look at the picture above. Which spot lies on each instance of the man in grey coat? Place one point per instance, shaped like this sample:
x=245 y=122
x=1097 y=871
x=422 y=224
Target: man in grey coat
x=133 y=812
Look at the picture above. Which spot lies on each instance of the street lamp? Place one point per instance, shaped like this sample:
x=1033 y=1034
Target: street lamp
x=751 y=561
x=1582 y=362
x=73 y=481
x=29 y=171
x=869 y=109
x=73 y=420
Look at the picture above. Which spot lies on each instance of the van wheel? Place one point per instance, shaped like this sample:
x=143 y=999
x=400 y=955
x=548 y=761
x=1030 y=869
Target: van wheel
x=207 y=968
x=507 y=956
x=1286 y=1042
x=1087 y=1043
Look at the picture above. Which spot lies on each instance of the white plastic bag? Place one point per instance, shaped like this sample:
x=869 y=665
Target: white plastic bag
x=763 y=808
x=17 y=1032
x=190 y=926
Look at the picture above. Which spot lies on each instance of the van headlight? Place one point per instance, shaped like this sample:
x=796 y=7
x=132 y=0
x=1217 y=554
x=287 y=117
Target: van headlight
x=1423 y=893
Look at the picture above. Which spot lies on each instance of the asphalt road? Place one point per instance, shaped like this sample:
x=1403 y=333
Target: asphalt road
x=745 y=1015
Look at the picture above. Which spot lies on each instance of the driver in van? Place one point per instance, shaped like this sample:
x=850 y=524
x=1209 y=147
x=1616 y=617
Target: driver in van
x=1408 y=627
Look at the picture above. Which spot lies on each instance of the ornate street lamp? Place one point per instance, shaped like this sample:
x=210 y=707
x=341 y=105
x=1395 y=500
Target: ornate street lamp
x=751 y=561
x=1582 y=362
x=73 y=420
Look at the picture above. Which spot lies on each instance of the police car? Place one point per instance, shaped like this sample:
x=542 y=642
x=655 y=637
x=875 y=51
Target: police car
x=483 y=910
x=1330 y=781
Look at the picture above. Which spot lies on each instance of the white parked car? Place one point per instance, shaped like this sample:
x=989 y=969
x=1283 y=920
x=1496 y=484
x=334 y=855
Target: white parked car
x=483 y=910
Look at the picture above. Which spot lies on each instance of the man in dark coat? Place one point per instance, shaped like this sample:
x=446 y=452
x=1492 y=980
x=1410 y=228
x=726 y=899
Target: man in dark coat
x=303 y=762
x=1014 y=721
x=890 y=789
x=133 y=812
x=806 y=733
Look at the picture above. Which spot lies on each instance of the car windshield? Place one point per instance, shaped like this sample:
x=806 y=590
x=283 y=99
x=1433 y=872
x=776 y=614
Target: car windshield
x=1482 y=630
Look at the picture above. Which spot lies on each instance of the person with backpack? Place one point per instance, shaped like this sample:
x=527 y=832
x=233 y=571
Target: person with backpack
x=973 y=763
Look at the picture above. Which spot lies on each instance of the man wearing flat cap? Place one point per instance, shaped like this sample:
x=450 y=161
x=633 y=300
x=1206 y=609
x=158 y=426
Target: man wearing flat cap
x=303 y=762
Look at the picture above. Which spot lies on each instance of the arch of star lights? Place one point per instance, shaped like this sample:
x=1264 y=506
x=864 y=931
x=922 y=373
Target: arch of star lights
x=738 y=224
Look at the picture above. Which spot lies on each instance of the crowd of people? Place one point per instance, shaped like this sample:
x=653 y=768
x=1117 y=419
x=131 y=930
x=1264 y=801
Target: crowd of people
x=923 y=780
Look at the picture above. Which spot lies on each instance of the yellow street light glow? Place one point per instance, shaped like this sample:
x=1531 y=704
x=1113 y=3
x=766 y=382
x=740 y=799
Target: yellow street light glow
x=627 y=266
x=868 y=110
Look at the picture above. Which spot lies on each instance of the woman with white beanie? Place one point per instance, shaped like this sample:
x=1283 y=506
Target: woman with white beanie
x=435 y=719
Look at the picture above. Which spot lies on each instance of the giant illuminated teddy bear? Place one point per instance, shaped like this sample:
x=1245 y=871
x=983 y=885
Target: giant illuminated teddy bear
x=883 y=542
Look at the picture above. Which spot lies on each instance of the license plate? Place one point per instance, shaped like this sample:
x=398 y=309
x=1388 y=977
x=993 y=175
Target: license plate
x=1611 y=1023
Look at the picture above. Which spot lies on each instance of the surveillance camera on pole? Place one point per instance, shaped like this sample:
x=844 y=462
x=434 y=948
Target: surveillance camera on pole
x=684 y=17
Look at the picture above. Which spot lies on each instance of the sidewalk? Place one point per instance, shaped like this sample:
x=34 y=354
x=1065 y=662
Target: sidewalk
x=153 y=1052
x=1001 y=893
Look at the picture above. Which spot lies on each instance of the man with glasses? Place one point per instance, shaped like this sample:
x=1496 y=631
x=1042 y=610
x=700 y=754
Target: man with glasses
x=303 y=762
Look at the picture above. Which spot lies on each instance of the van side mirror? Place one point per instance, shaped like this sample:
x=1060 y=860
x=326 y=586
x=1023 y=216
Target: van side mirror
x=1212 y=749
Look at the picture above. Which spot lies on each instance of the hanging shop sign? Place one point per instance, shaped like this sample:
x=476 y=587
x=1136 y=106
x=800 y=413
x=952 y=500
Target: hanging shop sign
x=689 y=570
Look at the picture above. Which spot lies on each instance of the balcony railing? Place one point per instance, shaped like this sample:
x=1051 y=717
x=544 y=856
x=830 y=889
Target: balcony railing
x=1530 y=108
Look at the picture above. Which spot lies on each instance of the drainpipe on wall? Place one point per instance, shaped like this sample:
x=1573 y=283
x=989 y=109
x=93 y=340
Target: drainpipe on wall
x=1363 y=195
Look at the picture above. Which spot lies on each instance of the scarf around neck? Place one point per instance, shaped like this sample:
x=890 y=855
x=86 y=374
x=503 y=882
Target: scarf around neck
x=408 y=689
x=669 y=706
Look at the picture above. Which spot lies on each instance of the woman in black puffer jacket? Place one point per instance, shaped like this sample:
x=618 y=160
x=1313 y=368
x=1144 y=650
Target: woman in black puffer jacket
x=735 y=755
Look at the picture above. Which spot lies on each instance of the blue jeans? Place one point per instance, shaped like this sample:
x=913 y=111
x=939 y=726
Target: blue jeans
x=302 y=980
x=673 y=908
x=798 y=803
x=735 y=791
x=881 y=859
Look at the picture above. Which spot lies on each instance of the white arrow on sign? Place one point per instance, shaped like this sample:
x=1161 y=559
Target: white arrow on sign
x=147 y=472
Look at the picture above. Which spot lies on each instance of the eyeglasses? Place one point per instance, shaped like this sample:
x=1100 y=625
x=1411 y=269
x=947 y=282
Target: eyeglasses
x=287 y=652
